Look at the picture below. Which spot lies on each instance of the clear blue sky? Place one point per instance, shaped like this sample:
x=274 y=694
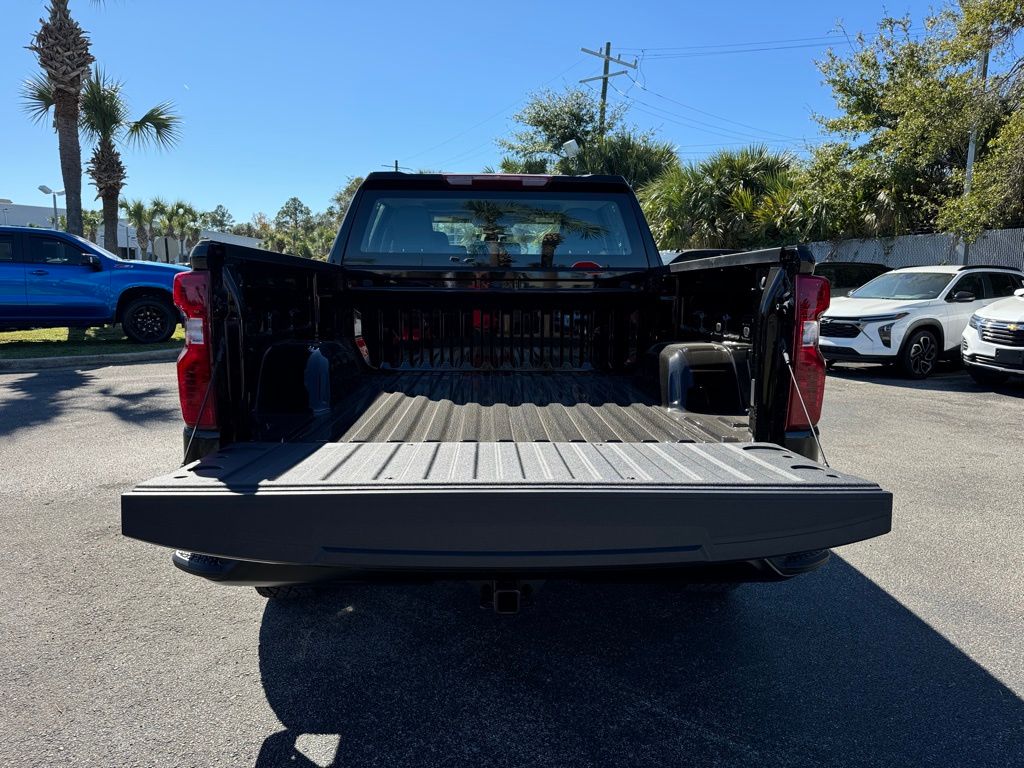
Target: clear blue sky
x=283 y=99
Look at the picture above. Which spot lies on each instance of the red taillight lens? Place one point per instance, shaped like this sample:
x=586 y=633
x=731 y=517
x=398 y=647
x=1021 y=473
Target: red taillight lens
x=812 y=298
x=195 y=368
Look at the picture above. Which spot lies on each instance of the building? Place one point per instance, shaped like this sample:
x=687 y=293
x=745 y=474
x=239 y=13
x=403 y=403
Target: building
x=170 y=250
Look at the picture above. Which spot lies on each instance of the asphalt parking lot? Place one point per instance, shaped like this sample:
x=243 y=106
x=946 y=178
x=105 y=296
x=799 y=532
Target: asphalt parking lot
x=905 y=650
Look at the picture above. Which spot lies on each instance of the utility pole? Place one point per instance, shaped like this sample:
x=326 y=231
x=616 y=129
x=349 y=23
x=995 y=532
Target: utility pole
x=603 y=77
x=973 y=143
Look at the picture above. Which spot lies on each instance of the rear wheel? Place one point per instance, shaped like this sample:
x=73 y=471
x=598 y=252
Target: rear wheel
x=149 y=320
x=919 y=354
x=287 y=592
x=985 y=377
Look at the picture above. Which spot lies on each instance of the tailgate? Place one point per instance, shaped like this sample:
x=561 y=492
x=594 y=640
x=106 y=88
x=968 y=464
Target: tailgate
x=504 y=505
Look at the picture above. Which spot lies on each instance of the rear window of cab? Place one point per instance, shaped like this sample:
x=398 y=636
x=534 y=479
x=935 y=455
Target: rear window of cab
x=495 y=229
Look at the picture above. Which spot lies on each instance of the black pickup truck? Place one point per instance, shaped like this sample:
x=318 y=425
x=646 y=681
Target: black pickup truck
x=495 y=378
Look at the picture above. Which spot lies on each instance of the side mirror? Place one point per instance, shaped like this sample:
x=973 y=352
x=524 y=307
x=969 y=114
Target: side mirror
x=91 y=260
x=1019 y=292
x=963 y=297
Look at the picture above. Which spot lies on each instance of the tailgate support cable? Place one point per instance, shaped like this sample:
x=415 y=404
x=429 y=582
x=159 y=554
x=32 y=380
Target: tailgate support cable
x=800 y=397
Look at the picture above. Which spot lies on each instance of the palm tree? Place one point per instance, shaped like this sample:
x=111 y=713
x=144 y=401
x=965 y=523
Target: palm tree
x=91 y=222
x=106 y=123
x=732 y=199
x=154 y=222
x=177 y=221
x=62 y=48
x=637 y=157
x=138 y=215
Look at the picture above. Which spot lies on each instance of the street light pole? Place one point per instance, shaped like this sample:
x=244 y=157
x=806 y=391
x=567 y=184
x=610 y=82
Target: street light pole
x=972 y=144
x=47 y=191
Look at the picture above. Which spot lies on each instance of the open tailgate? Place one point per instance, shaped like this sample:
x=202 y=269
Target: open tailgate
x=504 y=505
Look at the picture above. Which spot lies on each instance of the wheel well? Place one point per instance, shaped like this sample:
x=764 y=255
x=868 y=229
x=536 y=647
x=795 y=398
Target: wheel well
x=132 y=294
x=930 y=325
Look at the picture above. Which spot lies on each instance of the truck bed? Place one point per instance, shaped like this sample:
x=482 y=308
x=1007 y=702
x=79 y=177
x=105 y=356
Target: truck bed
x=467 y=406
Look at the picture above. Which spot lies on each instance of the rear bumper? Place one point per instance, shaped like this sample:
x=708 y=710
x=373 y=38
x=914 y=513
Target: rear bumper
x=360 y=507
x=248 y=573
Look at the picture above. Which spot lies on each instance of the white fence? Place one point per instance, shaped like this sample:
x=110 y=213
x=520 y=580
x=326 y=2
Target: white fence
x=1003 y=247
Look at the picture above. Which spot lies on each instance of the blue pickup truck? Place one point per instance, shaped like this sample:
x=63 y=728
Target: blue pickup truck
x=52 y=279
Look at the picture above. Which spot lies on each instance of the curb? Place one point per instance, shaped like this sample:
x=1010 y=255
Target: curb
x=79 y=361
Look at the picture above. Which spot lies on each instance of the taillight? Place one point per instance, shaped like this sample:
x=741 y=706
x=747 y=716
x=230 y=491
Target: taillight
x=812 y=298
x=195 y=367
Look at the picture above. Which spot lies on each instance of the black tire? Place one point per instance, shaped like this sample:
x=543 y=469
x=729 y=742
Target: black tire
x=920 y=353
x=986 y=378
x=149 y=319
x=287 y=592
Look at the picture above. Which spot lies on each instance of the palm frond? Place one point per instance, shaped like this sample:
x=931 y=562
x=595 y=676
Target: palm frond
x=37 y=97
x=104 y=111
x=160 y=126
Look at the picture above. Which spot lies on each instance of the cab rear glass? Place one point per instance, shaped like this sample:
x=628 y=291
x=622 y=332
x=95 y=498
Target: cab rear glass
x=465 y=228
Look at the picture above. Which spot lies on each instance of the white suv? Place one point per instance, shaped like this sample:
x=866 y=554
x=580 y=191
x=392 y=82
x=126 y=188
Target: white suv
x=993 y=342
x=912 y=316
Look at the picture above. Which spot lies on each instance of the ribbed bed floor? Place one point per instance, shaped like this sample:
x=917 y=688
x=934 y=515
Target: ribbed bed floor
x=466 y=406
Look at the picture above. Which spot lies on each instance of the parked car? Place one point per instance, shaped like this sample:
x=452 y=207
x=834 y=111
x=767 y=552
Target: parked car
x=993 y=342
x=52 y=279
x=845 y=276
x=495 y=378
x=912 y=316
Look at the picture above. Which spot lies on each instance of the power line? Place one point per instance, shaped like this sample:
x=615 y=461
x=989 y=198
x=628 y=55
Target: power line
x=746 y=140
x=702 y=54
x=643 y=87
x=488 y=119
x=733 y=45
x=687 y=51
x=466 y=154
x=700 y=125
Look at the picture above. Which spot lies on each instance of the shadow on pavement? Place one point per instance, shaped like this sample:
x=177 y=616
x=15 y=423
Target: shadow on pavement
x=828 y=669
x=139 y=407
x=32 y=399
x=948 y=378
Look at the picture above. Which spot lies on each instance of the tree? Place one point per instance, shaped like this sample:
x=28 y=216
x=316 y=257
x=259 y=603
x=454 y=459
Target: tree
x=91 y=222
x=638 y=157
x=219 y=219
x=62 y=49
x=550 y=119
x=732 y=199
x=907 y=106
x=342 y=199
x=157 y=210
x=294 y=222
x=990 y=27
x=105 y=122
x=244 y=228
x=138 y=216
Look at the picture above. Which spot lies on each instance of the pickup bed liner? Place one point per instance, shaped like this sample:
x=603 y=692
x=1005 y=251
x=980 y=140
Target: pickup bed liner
x=508 y=505
x=468 y=406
